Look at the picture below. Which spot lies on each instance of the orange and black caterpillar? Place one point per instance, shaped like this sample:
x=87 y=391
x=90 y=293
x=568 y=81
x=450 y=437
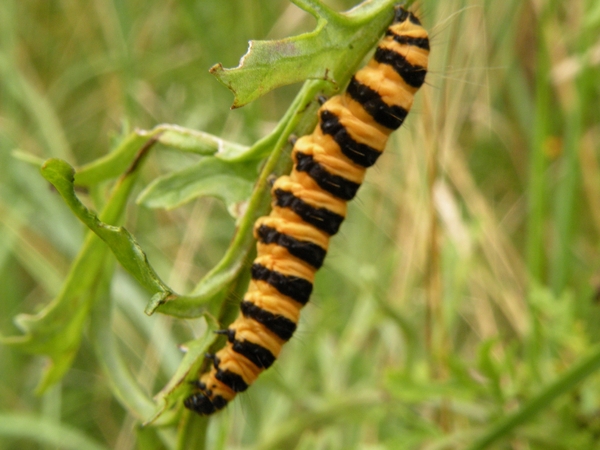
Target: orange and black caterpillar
x=309 y=206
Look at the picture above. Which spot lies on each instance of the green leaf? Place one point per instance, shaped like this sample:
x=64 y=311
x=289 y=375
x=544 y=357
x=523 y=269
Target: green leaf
x=120 y=241
x=126 y=249
x=56 y=331
x=315 y=55
x=231 y=182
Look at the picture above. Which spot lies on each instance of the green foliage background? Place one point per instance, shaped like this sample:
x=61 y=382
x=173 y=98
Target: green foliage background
x=458 y=305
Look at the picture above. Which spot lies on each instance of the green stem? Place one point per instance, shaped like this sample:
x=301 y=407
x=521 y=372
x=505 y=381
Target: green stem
x=537 y=164
x=536 y=189
x=566 y=200
x=566 y=203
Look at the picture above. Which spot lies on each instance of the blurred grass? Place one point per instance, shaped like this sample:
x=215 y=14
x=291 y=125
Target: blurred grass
x=463 y=283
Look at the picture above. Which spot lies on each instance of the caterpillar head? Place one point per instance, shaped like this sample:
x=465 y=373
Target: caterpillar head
x=200 y=403
x=403 y=15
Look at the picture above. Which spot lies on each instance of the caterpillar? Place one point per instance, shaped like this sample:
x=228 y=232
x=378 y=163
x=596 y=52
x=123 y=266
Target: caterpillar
x=309 y=205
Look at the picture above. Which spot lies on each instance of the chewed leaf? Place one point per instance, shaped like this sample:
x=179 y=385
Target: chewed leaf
x=271 y=64
x=231 y=182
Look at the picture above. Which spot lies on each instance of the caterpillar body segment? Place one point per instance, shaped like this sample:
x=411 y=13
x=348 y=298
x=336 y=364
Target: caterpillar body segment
x=309 y=206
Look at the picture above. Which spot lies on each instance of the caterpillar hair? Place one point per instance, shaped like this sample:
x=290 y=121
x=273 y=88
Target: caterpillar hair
x=309 y=206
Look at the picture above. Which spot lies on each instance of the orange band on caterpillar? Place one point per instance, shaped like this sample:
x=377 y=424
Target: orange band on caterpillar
x=309 y=206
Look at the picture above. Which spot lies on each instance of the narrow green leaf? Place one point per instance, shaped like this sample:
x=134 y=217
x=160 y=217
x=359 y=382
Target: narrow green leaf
x=231 y=182
x=120 y=241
